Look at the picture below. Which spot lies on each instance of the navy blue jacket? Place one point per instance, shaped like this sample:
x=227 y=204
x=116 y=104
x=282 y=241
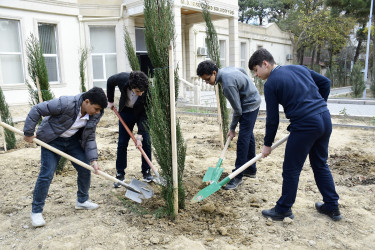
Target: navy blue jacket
x=302 y=93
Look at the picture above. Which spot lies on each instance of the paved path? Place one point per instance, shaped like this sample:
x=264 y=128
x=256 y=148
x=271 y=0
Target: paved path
x=337 y=106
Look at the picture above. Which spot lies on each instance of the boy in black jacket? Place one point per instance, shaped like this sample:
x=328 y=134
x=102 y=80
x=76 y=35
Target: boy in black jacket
x=134 y=90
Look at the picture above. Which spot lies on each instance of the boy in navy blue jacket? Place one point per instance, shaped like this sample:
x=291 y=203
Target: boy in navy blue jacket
x=303 y=93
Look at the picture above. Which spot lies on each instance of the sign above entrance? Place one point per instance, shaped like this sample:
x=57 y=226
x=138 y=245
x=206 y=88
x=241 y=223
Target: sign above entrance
x=210 y=7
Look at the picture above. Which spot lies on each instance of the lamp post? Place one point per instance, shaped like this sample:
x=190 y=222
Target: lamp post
x=368 y=48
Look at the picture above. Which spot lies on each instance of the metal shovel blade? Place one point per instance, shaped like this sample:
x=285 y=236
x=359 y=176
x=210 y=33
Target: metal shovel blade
x=160 y=181
x=210 y=189
x=144 y=188
x=145 y=191
x=213 y=174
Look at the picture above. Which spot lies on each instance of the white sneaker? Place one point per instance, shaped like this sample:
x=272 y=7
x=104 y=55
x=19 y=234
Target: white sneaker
x=37 y=220
x=88 y=205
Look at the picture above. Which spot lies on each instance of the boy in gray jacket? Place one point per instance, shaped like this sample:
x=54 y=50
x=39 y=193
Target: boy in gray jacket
x=245 y=101
x=69 y=125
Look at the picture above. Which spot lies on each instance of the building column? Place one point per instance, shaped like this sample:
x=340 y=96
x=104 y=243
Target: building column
x=234 y=50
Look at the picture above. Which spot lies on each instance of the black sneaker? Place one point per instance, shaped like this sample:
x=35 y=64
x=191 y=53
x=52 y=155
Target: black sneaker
x=147 y=177
x=120 y=177
x=334 y=214
x=233 y=184
x=249 y=173
x=271 y=213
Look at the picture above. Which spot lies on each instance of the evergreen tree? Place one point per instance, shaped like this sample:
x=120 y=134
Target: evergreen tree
x=37 y=69
x=214 y=53
x=159 y=33
x=82 y=67
x=130 y=52
x=6 y=117
x=357 y=81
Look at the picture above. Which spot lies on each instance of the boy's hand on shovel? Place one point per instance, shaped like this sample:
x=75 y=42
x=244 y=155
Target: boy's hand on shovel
x=266 y=151
x=95 y=165
x=29 y=138
x=231 y=134
x=139 y=140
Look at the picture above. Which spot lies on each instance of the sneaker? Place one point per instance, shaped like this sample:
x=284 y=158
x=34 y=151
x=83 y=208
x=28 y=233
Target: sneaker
x=88 y=205
x=37 y=220
x=334 y=214
x=120 y=177
x=233 y=184
x=147 y=177
x=249 y=173
x=271 y=213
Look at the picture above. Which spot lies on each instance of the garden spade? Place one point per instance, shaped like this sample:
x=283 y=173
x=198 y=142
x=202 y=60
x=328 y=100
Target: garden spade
x=137 y=191
x=210 y=189
x=213 y=174
x=158 y=179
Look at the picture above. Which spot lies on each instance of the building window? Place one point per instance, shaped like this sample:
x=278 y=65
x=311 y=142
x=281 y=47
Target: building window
x=259 y=47
x=223 y=53
x=11 y=65
x=243 y=55
x=103 y=54
x=48 y=42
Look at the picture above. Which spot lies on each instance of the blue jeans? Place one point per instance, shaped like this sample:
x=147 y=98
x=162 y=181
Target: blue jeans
x=123 y=141
x=308 y=137
x=49 y=161
x=246 y=142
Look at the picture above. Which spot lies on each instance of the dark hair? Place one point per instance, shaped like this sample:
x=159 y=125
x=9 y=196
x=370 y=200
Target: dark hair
x=206 y=68
x=259 y=56
x=138 y=80
x=96 y=96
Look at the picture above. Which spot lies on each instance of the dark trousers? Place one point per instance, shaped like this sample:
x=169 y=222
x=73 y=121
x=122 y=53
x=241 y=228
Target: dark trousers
x=131 y=119
x=49 y=161
x=308 y=137
x=246 y=142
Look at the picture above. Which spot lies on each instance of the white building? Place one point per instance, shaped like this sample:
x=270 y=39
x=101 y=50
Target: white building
x=63 y=27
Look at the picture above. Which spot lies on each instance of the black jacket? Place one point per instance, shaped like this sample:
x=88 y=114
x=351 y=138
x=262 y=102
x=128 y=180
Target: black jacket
x=121 y=80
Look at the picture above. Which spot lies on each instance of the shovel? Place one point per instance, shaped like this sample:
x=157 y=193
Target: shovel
x=213 y=174
x=134 y=191
x=158 y=179
x=207 y=191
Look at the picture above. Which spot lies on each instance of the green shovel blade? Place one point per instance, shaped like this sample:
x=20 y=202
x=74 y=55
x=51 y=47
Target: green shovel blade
x=213 y=174
x=210 y=189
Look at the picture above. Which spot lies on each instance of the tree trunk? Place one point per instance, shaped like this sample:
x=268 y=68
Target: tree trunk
x=318 y=56
x=357 y=51
x=313 y=58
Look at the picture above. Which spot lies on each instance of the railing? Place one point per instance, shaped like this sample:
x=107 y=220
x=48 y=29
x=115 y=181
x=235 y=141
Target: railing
x=192 y=92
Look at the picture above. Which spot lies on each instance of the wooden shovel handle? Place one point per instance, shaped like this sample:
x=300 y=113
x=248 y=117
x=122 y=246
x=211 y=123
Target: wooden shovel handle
x=70 y=158
x=135 y=141
x=256 y=158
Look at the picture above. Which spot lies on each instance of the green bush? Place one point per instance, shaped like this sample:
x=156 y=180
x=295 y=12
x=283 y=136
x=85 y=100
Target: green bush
x=6 y=117
x=357 y=81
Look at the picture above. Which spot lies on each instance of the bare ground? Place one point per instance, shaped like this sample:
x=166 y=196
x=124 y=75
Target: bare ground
x=225 y=220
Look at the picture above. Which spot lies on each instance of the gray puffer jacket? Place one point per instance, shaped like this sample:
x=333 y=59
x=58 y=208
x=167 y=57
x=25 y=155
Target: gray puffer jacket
x=60 y=114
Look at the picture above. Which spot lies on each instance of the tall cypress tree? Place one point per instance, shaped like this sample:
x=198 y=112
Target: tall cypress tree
x=82 y=67
x=214 y=53
x=37 y=69
x=130 y=52
x=6 y=117
x=159 y=33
